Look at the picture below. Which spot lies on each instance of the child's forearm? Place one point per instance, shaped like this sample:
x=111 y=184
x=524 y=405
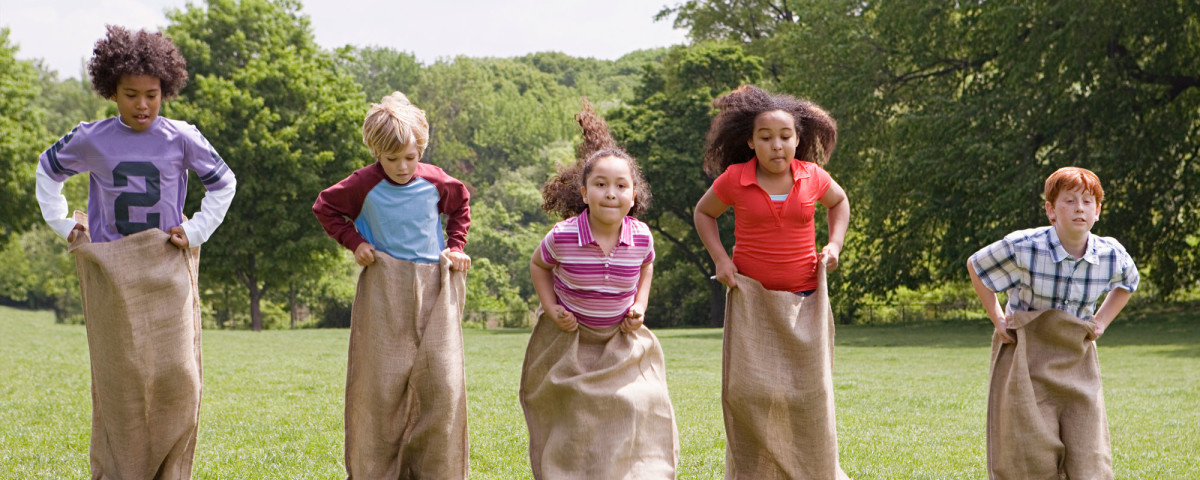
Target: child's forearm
x=1113 y=304
x=642 y=298
x=839 y=222
x=991 y=304
x=543 y=284
x=710 y=236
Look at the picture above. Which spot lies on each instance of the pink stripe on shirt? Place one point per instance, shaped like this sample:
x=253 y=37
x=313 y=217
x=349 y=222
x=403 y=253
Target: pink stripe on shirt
x=597 y=288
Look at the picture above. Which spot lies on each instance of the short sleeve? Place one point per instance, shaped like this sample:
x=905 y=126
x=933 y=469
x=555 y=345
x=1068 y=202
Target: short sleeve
x=1125 y=275
x=821 y=181
x=549 y=256
x=203 y=159
x=649 y=249
x=65 y=158
x=724 y=186
x=996 y=265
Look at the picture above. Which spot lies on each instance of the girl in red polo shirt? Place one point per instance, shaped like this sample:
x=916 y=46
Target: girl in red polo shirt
x=767 y=151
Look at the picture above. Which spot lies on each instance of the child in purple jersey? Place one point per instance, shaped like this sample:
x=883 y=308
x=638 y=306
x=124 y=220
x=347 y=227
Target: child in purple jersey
x=589 y=361
x=138 y=260
x=137 y=161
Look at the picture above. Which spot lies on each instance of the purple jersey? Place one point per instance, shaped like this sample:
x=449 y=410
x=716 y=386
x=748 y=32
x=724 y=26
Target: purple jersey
x=138 y=179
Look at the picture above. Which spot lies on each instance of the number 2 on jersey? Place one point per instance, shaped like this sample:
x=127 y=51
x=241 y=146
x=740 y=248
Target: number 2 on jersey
x=149 y=198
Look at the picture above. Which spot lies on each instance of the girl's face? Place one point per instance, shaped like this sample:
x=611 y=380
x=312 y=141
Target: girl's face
x=774 y=141
x=608 y=191
x=138 y=98
x=401 y=165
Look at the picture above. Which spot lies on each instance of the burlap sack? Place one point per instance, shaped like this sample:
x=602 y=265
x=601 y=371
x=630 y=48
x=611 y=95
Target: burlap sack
x=596 y=404
x=777 y=384
x=141 y=305
x=406 y=394
x=1046 y=416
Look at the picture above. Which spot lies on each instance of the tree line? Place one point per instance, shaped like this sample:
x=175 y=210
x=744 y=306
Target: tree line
x=950 y=116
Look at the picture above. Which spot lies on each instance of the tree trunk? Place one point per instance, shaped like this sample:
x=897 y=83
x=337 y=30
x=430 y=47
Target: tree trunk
x=255 y=312
x=292 y=307
x=716 y=305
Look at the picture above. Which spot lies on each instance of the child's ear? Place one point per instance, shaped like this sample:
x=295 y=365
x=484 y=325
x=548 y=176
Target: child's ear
x=1050 y=211
x=583 y=193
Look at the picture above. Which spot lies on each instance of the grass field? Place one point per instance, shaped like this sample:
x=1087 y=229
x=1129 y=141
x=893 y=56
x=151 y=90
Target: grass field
x=911 y=400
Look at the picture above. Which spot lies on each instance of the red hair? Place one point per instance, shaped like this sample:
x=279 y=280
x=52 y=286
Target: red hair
x=1072 y=178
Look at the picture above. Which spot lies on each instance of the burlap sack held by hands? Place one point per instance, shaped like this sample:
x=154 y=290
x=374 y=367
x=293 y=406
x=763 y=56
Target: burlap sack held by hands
x=597 y=406
x=777 y=384
x=406 y=394
x=141 y=305
x=1046 y=417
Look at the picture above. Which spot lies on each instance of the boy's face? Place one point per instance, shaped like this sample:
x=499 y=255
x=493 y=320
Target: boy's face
x=401 y=165
x=1073 y=212
x=138 y=99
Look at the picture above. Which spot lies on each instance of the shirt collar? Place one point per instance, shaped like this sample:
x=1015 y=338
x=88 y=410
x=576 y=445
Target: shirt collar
x=585 y=230
x=750 y=172
x=1059 y=253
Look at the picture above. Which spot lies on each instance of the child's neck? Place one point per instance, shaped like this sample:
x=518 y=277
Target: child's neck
x=606 y=235
x=1074 y=244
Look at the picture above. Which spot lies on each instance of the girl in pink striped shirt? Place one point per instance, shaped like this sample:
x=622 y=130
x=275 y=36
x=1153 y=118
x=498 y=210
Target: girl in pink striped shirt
x=592 y=364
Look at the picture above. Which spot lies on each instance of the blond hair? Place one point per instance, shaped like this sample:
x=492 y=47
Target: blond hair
x=392 y=124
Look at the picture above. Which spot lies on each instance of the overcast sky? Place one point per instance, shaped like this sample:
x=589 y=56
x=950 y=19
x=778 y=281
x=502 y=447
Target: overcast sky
x=62 y=32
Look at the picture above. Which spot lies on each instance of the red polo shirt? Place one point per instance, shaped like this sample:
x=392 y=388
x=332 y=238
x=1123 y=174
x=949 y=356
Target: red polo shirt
x=775 y=242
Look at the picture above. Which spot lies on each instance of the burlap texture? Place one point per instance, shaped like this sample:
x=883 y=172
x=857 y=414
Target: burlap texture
x=777 y=384
x=596 y=404
x=141 y=305
x=406 y=394
x=1046 y=417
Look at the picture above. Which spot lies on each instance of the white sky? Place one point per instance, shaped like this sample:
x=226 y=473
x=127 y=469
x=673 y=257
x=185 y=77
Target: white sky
x=62 y=32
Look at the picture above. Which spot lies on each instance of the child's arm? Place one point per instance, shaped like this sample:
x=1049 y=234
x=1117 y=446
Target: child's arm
x=636 y=314
x=705 y=217
x=991 y=304
x=839 y=220
x=543 y=283
x=1113 y=304
x=213 y=208
x=54 y=205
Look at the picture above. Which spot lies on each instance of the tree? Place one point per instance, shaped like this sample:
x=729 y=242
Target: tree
x=381 y=70
x=23 y=136
x=286 y=120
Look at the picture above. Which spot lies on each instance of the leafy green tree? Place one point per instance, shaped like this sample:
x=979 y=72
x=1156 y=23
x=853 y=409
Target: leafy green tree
x=381 y=70
x=23 y=136
x=287 y=121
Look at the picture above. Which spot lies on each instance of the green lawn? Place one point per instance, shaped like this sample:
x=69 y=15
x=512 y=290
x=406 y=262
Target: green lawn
x=910 y=399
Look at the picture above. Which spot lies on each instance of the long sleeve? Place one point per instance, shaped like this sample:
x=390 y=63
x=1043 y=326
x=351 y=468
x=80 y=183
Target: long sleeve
x=455 y=202
x=53 y=203
x=213 y=208
x=337 y=206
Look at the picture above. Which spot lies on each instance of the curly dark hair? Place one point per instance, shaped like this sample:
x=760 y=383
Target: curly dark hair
x=731 y=129
x=561 y=194
x=123 y=52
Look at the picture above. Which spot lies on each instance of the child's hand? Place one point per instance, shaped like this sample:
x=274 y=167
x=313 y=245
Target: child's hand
x=633 y=319
x=829 y=255
x=727 y=273
x=563 y=318
x=178 y=237
x=1002 y=330
x=459 y=261
x=75 y=232
x=364 y=254
x=1098 y=331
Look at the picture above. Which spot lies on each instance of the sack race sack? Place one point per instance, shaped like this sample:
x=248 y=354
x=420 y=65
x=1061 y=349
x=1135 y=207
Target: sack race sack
x=1046 y=417
x=406 y=394
x=141 y=306
x=596 y=404
x=777 y=384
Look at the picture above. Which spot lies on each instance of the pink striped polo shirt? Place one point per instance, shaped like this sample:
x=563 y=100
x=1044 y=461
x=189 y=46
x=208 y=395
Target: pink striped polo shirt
x=597 y=288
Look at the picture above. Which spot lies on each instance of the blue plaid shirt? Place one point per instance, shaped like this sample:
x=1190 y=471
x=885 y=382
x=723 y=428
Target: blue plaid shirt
x=1038 y=274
